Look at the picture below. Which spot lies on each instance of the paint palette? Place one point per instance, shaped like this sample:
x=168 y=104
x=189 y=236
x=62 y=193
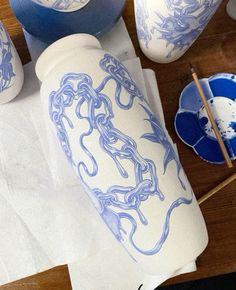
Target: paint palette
x=193 y=126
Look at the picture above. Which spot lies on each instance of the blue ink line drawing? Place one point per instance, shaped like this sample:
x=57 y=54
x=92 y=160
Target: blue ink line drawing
x=184 y=23
x=118 y=202
x=141 y=22
x=6 y=57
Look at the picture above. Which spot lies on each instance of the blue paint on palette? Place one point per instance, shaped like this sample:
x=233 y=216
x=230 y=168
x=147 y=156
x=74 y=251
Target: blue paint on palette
x=193 y=126
x=48 y=25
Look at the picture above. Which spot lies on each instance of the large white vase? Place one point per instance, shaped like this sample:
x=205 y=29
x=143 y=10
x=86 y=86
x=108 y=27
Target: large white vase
x=167 y=28
x=11 y=70
x=121 y=154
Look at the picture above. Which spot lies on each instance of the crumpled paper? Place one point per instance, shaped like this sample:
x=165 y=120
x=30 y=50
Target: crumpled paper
x=44 y=219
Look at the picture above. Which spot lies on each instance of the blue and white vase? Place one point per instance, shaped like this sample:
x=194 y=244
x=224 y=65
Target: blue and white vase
x=47 y=20
x=231 y=9
x=11 y=70
x=167 y=28
x=63 y=5
x=121 y=154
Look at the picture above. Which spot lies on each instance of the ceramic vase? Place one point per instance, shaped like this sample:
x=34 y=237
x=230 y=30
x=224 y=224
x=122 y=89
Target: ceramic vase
x=48 y=23
x=231 y=9
x=167 y=28
x=120 y=153
x=11 y=70
x=63 y=5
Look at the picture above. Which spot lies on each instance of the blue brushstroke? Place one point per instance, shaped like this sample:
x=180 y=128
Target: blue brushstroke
x=118 y=202
x=6 y=57
x=185 y=21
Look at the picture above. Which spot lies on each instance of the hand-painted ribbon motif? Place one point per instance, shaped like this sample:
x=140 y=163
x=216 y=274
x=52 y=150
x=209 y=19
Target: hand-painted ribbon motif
x=118 y=202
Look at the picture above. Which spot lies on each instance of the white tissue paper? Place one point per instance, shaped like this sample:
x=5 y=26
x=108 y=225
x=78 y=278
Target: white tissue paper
x=44 y=212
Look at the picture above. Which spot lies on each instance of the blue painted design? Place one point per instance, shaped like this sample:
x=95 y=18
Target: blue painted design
x=142 y=16
x=185 y=21
x=192 y=124
x=159 y=136
x=61 y=4
x=6 y=57
x=92 y=105
x=233 y=126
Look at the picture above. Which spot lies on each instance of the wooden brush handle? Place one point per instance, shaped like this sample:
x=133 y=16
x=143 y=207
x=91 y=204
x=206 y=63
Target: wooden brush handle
x=212 y=120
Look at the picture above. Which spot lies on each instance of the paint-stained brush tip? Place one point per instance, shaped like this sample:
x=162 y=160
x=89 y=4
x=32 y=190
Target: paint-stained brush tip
x=191 y=68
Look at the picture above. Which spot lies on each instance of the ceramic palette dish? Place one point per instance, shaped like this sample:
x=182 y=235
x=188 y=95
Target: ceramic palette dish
x=192 y=124
x=49 y=25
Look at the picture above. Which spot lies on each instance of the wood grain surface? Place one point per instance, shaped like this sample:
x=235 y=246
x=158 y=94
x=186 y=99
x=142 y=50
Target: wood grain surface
x=213 y=52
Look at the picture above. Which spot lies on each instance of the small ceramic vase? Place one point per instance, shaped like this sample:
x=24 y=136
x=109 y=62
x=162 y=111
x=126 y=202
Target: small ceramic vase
x=11 y=70
x=120 y=153
x=48 y=23
x=231 y=9
x=167 y=28
x=63 y=5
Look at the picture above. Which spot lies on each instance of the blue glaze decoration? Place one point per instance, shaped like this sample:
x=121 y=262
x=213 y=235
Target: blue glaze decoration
x=185 y=21
x=118 y=202
x=48 y=25
x=141 y=24
x=195 y=130
x=6 y=57
x=62 y=4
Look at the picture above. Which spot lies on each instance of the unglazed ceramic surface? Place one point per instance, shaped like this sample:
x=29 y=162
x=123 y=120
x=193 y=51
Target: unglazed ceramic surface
x=231 y=9
x=167 y=28
x=63 y=5
x=11 y=71
x=120 y=153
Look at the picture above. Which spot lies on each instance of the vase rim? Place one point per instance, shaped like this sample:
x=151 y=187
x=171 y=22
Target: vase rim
x=70 y=8
x=49 y=58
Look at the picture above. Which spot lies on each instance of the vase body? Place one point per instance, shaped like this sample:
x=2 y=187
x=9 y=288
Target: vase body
x=231 y=9
x=167 y=28
x=48 y=25
x=11 y=70
x=121 y=154
x=63 y=5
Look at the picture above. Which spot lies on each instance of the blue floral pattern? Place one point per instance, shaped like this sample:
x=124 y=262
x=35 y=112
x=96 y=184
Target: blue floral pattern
x=6 y=57
x=118 y=202
x=184 y=23
x=61 y=4
x=141 y=17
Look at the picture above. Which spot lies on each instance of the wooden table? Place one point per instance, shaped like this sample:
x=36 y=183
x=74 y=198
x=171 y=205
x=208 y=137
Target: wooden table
x=213 y=52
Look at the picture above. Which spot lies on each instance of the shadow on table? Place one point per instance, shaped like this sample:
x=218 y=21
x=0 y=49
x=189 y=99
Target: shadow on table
x=224 y=282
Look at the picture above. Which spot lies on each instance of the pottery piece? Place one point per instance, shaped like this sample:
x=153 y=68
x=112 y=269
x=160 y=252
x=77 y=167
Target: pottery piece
x=167 y=28
x=48 y=25
x=63 y=5
x=231 y=9
x=11 y=70
x=121 y=154
x=192 y=123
